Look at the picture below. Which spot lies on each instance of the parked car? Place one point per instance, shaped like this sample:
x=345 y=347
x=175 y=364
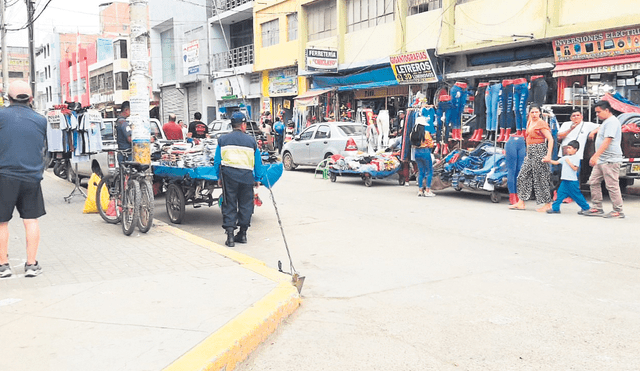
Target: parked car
x=219 y=127
x=101 y=162
x=322 y=140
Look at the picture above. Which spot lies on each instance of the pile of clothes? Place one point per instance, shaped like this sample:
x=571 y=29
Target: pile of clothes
x=189 y=155
x=366 y=164
x=483 y=168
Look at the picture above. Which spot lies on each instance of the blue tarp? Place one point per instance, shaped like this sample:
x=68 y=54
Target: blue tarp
x=272 y=172
x=364 y=80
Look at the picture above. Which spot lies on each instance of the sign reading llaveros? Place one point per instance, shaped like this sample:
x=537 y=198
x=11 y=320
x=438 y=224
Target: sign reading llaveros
x=413 y=68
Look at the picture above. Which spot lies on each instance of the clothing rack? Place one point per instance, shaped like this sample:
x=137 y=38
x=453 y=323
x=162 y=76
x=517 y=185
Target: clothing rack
x=76 y=188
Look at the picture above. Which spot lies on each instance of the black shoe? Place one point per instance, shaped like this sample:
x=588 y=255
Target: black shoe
x=230 y=240
x=241 y=237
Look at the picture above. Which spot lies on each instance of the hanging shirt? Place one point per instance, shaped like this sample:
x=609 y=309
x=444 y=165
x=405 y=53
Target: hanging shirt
x=92 y=124
x=56 y=123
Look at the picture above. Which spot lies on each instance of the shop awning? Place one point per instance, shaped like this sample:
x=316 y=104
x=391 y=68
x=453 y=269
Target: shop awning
x=606 y=65
x=509 y=70
x=310 y=97
x=364 y=80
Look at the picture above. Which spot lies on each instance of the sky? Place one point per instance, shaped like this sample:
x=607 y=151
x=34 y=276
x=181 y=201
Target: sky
x=64 y=15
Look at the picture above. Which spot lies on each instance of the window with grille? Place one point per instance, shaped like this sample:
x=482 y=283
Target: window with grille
x=362 y=14
x=270 y=33
x=421 y=6
x=292 y=27
x=322 y=20
x=122 y=81
x=120 y=49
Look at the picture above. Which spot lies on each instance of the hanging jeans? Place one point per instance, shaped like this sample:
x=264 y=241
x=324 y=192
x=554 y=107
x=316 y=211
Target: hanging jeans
x=520 y=96
x=538 y=92
x=479 y=107
x=406 y=141
x=445 y=109
x=491 y=99
x=425 y=166
x=506 y=117
x=570 y=188
x=515 y=152
x=459 y=99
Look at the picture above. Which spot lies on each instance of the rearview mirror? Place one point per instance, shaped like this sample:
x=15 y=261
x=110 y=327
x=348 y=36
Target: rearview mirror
x=297 y=137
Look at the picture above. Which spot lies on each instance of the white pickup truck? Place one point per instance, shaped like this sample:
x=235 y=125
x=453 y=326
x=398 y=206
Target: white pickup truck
x=103 y=162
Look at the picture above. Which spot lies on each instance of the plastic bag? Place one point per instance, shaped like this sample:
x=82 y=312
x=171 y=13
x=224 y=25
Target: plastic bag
x=90 y=205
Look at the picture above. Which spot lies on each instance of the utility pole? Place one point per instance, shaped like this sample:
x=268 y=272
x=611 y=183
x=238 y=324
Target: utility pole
x=139 y=82
x=32 y=58
x=5 y=54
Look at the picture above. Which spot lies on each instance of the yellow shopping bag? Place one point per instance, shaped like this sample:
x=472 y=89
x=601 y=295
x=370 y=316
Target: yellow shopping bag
x=90 y=204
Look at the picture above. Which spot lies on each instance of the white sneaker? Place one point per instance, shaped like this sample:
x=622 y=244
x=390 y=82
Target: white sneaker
x=429 y=194
x=421 y=193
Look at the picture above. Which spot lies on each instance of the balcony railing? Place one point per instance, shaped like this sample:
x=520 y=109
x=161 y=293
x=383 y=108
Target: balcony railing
x=224 y=5
x=234 y=58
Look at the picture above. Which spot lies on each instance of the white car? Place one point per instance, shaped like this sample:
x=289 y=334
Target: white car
x=322 y=140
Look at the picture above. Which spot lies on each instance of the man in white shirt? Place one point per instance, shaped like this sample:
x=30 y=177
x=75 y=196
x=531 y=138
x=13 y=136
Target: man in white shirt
x=576 y=129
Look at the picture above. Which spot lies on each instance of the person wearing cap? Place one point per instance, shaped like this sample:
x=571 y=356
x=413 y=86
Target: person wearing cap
x=23 y=134
x=238 y=166
x=123 y=132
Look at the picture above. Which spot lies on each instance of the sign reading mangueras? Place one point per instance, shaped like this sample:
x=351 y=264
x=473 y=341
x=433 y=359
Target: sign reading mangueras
x=413 y=68
x=321 y=60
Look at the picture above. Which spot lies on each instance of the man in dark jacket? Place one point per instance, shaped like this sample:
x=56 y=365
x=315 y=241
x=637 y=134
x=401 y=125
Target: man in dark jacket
x=23 y=134
x=238 y=166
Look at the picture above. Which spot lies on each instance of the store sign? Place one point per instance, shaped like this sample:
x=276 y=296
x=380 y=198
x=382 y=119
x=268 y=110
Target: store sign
x=321 y=60
x=283 y=82
x=381 y=92
x=413 y=68
x=191 y=58
x=598 y=69
x=601 y=44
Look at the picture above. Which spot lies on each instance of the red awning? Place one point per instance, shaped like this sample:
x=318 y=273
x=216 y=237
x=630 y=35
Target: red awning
x=605 y=65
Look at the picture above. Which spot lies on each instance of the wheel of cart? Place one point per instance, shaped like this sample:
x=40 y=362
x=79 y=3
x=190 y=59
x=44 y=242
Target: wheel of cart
x=368 y=181
x=333 y=176
x=495 y=196
x=175 y=202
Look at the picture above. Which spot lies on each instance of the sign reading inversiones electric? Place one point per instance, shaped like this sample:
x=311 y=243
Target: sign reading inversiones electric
x=321 y=60
x=600 y=44
x=413 y=68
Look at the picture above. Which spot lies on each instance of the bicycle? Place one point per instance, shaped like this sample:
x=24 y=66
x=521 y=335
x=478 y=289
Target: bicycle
x=134 y=206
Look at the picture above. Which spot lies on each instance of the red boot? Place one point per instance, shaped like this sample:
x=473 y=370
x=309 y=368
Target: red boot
x=507 y=134
x=436 y=149
x=445 y=149
x=478 y=137
x=459 y=134
x=501 y=136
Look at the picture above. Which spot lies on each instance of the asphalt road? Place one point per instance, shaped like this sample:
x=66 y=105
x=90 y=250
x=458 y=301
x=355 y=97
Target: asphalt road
x=455 y=282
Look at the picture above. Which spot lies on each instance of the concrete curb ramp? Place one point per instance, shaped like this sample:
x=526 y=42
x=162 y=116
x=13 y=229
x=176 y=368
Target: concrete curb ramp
x=233 y=343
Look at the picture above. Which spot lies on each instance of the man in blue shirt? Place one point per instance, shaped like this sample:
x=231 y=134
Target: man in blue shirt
x=123 y=132
x=238 y=166
x=23 y=134
x=280 y=129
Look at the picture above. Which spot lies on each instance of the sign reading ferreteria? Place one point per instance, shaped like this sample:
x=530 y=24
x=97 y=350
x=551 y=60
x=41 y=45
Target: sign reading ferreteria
x=413 y=68
x=321 y=60
x=596 y=45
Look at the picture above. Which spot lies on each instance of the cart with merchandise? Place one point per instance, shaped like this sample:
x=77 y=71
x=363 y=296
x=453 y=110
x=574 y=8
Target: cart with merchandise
x=481 y=169
x=187 y=174
x=367 y=167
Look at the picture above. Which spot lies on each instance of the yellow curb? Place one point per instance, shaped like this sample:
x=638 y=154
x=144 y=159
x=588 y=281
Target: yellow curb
x=234 y=342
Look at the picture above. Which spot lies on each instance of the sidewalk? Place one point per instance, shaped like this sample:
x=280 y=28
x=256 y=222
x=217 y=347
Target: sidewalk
x=166 y=300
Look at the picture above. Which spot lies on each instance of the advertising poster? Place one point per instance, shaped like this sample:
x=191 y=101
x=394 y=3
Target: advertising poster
x=191 y=58
x=283 y=82
x=413 y=68
x=595 y=45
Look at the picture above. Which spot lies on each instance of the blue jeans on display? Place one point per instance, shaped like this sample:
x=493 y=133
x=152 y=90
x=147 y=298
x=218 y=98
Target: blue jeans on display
x=459 y=99
x=491 y=101
x=520 y=96
x=409 y=122
x=425 y=166
x=479 y=108
x=538 y=93
x=570 y=188
x=506 y=117
x=444 y=109
x=515 y=152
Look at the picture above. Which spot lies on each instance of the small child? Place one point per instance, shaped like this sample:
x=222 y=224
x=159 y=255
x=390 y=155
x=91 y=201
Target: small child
x=570 y=186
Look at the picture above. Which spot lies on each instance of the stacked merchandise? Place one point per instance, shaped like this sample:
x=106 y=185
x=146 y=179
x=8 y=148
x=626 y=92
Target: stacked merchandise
x=482 y=169
x=189 y=155
x=381 y=163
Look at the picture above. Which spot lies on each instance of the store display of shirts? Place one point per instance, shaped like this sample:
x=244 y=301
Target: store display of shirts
x=76 y=136
x=56 y=131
